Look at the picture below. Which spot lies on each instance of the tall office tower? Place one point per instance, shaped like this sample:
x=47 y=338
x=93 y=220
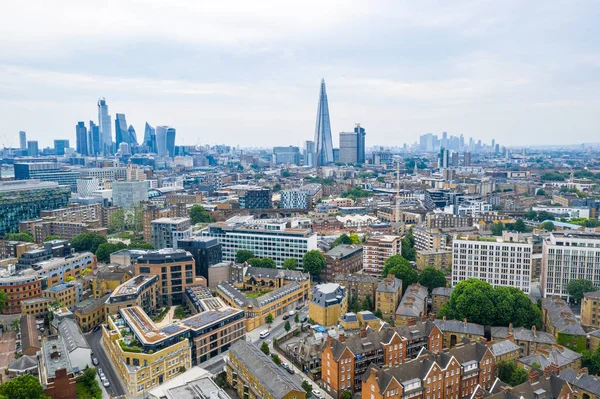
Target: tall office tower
x=171 y=142
x=32 y=148
x=132 y=136
x=286 y=155
x=22 y=140
x=309 y=153
x=105 y=126
x=323 y=141
x=493 y=144
x=94 y=139
x=348 y=147
x=81 y=137
x=122 y=136
x=360 y=143
x=443 y=158
x=59 y=146
x=444 y=142
x=165 y=141
x=150 y=137
x=467 y=159
x=462 y=142
x=454 y=159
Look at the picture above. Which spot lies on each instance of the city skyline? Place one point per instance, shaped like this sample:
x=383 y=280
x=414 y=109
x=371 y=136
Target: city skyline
x=524 y=72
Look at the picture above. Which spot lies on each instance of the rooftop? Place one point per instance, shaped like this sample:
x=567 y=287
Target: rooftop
x=134 y=286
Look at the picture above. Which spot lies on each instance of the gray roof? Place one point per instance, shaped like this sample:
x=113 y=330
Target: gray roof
x=389 y=285
x=443 y=291
x=23 y=363
x=344 y=250
x=269 y=375
x=264 y=272
x=504 y=347
x=55 y=356
x=562 y=317
x=595 y=333
x=89 y=305
x=414 y=301
x=524 y=334
x=242 y=300
x=562 y=357
x=585 y=381
x=460 y=327
x=328 y=294
x=592 y=294
x=356 y=278
x=349 y=318
x=71 y=335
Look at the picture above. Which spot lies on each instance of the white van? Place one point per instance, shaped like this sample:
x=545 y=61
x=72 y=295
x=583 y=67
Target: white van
x=264 y=333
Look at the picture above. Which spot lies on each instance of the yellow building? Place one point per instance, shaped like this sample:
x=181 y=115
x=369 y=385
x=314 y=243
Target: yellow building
x=37 y=307
x=142 y=291
x=328 y=303
x=257 y=308
x=253 y=375
x=594 y=340
x=65 y=294
x=506 y=351
x=260 y=279
x=454 y=331
x=147 y=357
x=440 y=259
x=388 y=295
x=439 y=297
x=106 y=281
x=90 y=312
x=590 y=309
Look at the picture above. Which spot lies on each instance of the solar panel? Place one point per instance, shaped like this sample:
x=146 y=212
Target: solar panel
x=171 y=329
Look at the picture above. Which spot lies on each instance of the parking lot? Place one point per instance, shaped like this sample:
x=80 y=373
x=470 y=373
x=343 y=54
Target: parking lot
x=7 y=349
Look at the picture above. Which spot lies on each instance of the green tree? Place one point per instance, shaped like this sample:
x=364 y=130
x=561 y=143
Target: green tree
x=307 y=387
x=296 y=318
x=198 y=214
x=343 y=239
x=276 y=359
x=140 y=245
x=520 y=226
x=264 y=347
x=591 y=360
x=346 y=394
x=285 y=173
x=378 y=313
x=3 y=300
x=367 y=304
x=576 y=288
x=497 y=228
x=287 y=326
x=269 y=319
x=51 y=237
x=23 y=236
x=401 y=268
x=313 y=262
x=87 y=242
x=268 y=263
x=243 y=255
x=104 y=250
x=408 y=245
x=254 y=262
x=519 y=376
x=135 y=220
x=432 y=278
x=353 y=305
x=548 y=226
x=16 y=323
x=290 y=264
x=23 y=387
x=354 y=238
x=116 y=221
x=276 y=187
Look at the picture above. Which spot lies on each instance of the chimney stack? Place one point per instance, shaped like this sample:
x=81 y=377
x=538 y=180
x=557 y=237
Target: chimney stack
x=534 y=331
x=582 y=371
x=443 y=321
x=329 y=341
x=510 y=328
x=342 y=338
x=534 y=376
x=465 y=323
x=363 y=333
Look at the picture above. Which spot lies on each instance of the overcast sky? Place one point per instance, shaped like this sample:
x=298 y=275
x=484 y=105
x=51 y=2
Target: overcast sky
x=248 y=72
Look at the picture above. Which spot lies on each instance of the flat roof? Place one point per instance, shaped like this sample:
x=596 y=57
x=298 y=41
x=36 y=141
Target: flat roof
x=134 y=285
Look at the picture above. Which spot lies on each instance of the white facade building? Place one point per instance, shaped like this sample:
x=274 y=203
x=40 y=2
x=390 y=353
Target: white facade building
x=569 y=255
x=500 y=263
x=294 y=199
x=126 y=194
x=87 y=186
x=166 y=232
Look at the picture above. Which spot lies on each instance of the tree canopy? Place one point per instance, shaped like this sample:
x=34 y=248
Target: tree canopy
x=3 y=300
x=432 y=278
x=401 y=268
x=243 y=255
x=23 y=387
x=343 y=239
x=576 y=288
x=408 y=245
x=51 y=237
x=548 y=226
x=313 y=262
x=198 y=214
x=479 y=302
x=23 y=236
x=509 y=373
x=290 y=264
x=262 y=262
x=87 y=242
x=104 y=250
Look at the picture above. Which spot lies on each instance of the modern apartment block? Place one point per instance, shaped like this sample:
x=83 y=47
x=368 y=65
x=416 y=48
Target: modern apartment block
x=429 y=239
x=569 y=255
x=265 y=238
x=500 y=263
x=25 y=199
x=376 y=250
x=56 y=270
x=167 y=232
x=175 y=269
x=206 y=252
x=142 y=291
x=19 y=288
x=126 y=194
x=295 y=199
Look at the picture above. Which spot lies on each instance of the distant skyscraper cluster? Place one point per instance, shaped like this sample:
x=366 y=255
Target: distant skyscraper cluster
x=432 y=143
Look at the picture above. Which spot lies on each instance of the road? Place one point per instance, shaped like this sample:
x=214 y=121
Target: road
x=94 y=341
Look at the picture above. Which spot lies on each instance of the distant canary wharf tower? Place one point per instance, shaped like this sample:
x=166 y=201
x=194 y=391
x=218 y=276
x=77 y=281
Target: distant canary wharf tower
x=323 y=141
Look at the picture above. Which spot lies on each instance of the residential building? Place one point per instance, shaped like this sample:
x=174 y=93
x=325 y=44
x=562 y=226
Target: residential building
x=167 y=232
x=376 y=250
x=253 y=375
x=258 y=198
x=127 y=194
x=49 y=226
x=456 y=331
x=429 y=239
x=590 y=309
x=413 y=305
x=348 y=147
x=19 y=288
x=454 y=374
x=25 y=199
x=206 y=252
x=569 y=255
x=176 y=270
x=439 y=297
x=554 y=360
x=106 y=280
x=65 y=294
x=341 y=260
x=359 y=286
x=257 y=279
x=388 y=295
x=530 y=341
x=295 y=199
x=585 y=386
x=500 y=263
x=506 y=351
x=37 y=307
x=58 y=270
x=57 y=374
x=142 y=291
x=152 y=212
x=323 y=144
x=328 y=303
x=558 y=319
x=276 y=303
x=90 y=313
x=266 y=239
x=440 y=259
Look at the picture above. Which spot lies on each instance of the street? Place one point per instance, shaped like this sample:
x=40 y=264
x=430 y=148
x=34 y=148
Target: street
x=94 y=341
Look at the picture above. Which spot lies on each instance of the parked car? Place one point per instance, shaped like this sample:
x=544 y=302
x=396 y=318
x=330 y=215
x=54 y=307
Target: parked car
x=292 y=313
x=96 y=328
x=264 y=333
x=317 y=394
x=286 y=316
x=304 y=319
x=299 y=306
x=290 y=369
x=105 y=382
x=95 y=361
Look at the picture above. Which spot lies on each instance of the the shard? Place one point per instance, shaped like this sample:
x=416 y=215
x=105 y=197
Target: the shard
x=323 y=142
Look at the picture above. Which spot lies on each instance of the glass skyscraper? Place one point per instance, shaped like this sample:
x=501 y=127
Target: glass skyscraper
x=323 y=140
x=105 y=126
x=81 y=136
x=165 y=141
x=122 y=136
x=150 y=138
